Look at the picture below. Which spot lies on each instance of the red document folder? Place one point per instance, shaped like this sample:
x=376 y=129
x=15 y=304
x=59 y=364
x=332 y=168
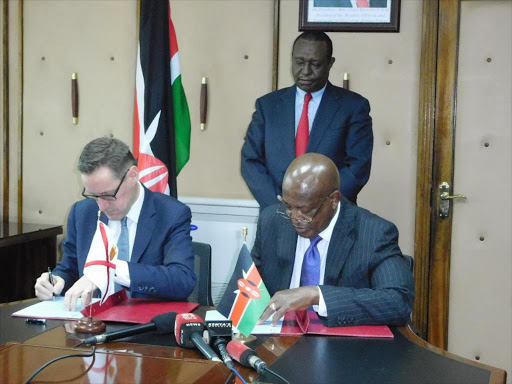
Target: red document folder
x=119 y=307
x=301 y=322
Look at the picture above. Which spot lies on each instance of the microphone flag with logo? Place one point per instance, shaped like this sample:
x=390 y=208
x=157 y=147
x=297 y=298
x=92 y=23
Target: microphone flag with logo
x=161 y=127
x=246 y=296
x=100 y=265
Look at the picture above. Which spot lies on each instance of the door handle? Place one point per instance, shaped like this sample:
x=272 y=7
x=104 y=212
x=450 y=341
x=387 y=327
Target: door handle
x=445 y=197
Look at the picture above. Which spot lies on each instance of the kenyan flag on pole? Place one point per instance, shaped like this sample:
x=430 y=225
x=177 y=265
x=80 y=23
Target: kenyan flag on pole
x=161 y=125
x=246 y=296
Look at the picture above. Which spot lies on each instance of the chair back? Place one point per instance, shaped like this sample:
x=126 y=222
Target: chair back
x=202 y=293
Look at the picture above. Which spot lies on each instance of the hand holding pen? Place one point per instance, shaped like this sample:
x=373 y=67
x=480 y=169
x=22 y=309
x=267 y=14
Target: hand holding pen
x=48 y=285
x=50 y=277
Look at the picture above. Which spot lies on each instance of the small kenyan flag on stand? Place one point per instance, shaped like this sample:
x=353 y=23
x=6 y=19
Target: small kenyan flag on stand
x=246 y=296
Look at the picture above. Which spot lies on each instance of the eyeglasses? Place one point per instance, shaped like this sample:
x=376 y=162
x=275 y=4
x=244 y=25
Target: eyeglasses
x=286 y=212
x=106 y=197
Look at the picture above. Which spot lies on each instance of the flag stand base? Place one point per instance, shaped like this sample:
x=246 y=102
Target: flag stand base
x=240 y=337
x=90 y=325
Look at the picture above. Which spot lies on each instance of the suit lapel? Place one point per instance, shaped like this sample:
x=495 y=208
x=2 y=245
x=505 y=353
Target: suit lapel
x=145 y=226
x=286 y=245
x=286 y=111
x=104 y=218
x=324 y=115
x=341 y=243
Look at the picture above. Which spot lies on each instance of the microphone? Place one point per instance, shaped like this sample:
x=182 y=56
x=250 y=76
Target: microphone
x=188 y=330
x=246 y=356
x=163 y=323
x=220 y=332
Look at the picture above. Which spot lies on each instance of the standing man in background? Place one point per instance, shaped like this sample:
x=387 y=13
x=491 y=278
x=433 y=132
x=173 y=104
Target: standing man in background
x=152 y=231
x=311 y=116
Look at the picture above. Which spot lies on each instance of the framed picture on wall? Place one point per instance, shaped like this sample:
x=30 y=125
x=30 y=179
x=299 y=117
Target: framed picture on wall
x=349 y=15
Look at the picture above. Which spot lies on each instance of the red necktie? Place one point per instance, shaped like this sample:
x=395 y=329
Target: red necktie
x=362 y=4
x=301 y=140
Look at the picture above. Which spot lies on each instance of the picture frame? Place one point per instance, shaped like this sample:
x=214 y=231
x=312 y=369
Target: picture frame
x=346 y=16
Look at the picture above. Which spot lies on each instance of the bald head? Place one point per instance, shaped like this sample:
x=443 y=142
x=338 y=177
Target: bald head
x=311 y=193
x=312 y=174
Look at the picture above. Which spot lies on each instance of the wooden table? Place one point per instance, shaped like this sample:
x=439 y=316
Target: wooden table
x=157 y=359
x=26 y=251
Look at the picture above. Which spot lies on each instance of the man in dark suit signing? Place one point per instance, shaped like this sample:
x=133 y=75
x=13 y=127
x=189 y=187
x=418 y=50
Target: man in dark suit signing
x=152 y=231
x=311 y=116
x=315 y=248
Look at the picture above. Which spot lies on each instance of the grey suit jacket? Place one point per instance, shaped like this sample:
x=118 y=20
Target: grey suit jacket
x=367 y=280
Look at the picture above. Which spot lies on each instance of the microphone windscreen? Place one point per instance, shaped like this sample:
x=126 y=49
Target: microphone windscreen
x=164 y=323
x=186 y=324
x=236 y=349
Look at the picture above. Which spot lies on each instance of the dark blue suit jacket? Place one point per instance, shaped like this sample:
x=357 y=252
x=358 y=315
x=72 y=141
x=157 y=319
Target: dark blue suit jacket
x=162 y=261
x=367 y=280
x=342 y=130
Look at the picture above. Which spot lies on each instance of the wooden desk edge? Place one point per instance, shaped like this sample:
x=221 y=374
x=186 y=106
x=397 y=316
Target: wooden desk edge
x=497 y=375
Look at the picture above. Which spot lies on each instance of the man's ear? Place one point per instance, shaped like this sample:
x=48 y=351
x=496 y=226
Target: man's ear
x=133 y=173
x=335 y=198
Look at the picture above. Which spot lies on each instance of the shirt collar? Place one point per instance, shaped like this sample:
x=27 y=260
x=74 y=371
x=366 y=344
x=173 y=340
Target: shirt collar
x=134 y=212
x=315 y=95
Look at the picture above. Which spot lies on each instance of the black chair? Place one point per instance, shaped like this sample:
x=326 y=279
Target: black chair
x=202 y=293
x=410 y=262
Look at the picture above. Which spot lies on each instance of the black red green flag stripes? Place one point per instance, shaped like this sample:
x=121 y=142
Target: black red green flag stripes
x=246 y=296
x=161 y=127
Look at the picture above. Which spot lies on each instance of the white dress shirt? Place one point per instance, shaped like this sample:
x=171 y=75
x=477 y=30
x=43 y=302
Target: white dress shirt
x=322 y=246
x=122 y=271
x=312 y=107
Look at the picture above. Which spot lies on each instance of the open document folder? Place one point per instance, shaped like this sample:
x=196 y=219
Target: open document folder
x=52 y=309
x=118 y=307
x=307 y=322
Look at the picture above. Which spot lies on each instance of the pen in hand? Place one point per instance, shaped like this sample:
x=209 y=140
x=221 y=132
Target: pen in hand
x=50 y=276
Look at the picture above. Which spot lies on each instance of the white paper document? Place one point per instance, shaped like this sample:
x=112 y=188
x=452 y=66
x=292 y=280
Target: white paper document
x=52 y=309
x=263 y=329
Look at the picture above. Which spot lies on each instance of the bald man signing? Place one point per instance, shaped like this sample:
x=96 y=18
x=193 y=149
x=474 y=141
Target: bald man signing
x=318 y=249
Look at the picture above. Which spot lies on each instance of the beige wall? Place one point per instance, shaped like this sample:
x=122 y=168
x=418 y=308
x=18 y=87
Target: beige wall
x=480 y=318
x=98 y=41
x=214 y=38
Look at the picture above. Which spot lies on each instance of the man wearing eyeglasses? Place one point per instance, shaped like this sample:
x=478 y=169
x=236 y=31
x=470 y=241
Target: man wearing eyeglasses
x=152 y=232
x=317 y=249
